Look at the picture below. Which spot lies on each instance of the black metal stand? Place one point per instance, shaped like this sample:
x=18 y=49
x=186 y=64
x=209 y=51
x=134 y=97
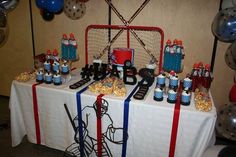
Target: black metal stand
x=215 y=45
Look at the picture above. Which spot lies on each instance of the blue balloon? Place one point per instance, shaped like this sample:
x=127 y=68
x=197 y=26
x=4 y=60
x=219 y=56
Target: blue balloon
x=41 y=4
x=224 y=25
x=54 y=6
x=47 y=16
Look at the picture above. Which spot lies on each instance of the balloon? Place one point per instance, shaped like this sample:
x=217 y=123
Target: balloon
x=3 y=26
x=226 y=121
x=230 y=56
x=232 y=94
x=54 y=6
x=2 y=36
x=224 y=25
x=74 y=9
x=47 y=16
x=41 y=4
x=9 y=5
x=3 y=18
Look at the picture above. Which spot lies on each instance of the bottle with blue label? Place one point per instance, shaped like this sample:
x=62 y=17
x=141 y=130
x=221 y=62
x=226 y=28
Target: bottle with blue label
x=47 y=65
x=65 y=68
x=161 y=79
x=39 y=76
x=173 y=80
x=57 y=78
x=167 y=56
x=187 y=82
x=72 y=48
x=185 y=98
x=48 y=77
x=55 y=66
x=172 y=96
x=65 y=47
x=158 y=94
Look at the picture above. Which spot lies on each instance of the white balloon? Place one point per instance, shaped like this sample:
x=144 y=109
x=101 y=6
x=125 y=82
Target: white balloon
x=226 y=121
x=74 y=9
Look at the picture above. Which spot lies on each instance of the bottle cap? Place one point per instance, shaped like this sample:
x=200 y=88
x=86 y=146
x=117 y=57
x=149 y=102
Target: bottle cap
x=49 y=52
x=195 y=65
x=200 y=64
x=172 y=72
x=72 y=36
x=55 y=52
x=168 y=42
x=207 y=67
x=65 y=36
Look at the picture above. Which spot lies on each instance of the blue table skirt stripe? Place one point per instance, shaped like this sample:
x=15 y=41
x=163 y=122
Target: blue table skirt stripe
x=80 y=121
x=126 y=119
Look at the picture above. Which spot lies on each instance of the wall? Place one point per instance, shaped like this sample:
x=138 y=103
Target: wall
x=45 y=38
x=189 y=20
x=16 y=55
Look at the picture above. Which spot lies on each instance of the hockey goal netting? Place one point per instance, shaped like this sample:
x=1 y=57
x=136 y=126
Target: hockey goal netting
x=147 y=43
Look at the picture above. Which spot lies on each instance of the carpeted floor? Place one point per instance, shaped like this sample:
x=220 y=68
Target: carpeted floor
x=25 y=149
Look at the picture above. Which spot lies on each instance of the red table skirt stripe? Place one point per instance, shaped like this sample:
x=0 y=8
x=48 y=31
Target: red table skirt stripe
x=36 y=116
x=175 y=124
x=99 y=124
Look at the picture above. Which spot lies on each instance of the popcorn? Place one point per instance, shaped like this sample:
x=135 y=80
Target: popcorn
x=202 y=101
x=110 y=85
x=25 y=76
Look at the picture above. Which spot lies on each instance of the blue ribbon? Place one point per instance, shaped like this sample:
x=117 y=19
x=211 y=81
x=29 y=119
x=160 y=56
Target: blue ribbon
x=126 y=119
x=80 y=121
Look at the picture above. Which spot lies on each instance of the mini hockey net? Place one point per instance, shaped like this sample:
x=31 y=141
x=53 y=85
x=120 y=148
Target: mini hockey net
x=97 y=39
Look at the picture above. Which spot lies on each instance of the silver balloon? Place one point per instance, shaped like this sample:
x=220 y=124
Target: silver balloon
x=2 y=36
x=230 y=56
x=3 y=19
x=9 y=5
x=224 y=25
x=226 y=121
x=3 y=26
x=74 y=9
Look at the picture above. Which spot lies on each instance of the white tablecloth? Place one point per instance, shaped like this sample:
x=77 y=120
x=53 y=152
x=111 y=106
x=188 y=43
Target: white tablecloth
x=149 y=127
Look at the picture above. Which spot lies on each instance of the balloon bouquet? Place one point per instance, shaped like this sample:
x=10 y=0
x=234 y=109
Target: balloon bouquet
x=49 y=7
x=5 y=7
x=224 y=28
x=74 y=9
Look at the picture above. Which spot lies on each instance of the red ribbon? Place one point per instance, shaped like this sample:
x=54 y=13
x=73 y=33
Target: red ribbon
x=175 y=124
x=36 y=116
x=99 y=124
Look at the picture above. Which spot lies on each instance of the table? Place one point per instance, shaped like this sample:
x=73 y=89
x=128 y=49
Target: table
x=150 y=123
